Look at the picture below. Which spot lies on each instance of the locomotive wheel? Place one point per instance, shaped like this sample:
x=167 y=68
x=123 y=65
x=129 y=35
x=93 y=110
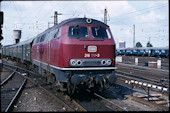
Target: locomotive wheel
x=70 y=88
x=50 y=79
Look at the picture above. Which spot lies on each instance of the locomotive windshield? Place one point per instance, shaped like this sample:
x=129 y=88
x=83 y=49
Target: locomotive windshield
x=78 y=32
x=100 y=33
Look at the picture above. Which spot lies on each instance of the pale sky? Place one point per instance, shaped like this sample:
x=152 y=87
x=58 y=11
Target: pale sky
x=151 y=18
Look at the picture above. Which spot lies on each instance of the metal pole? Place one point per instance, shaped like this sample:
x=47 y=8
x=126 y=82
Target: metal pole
x=105 y=16
x=55 y=17
x=148 y=94
x=133 y=35
x=149 y=41
x=48 y=24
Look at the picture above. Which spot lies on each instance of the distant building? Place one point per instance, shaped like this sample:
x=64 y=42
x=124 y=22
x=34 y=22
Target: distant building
x=122 y=44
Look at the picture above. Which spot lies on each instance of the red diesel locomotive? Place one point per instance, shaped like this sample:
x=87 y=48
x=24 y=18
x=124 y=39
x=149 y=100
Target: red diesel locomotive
x=74 y=53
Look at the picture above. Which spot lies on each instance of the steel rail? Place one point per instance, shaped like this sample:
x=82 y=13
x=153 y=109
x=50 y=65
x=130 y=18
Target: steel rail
x=58 y=100
x=143 y=81
x=111 y=105
x=4 y=81
x=152 y=101
x=131 y=76
x=49 y=93
x=16 y=95
x=19 y=68
x=142 y=67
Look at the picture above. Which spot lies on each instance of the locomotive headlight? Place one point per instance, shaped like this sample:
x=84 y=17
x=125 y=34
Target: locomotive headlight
x=79 y=62
x=73 y=62
x=109 y=62
x=103 y=62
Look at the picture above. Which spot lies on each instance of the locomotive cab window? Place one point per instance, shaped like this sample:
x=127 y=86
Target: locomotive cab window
x=78 y=32
x=42 y=38
x=51 y=34
x=57 y=33
x=38 y=40
x=100 y=33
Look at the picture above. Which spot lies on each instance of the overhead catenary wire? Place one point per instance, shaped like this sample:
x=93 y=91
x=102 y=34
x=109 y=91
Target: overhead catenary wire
x=162 y=5
x=125 y=19
x=17 y=12
x=121 y=20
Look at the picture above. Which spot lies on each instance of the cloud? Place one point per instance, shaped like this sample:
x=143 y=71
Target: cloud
x=151 y=17
x=121 y=18
x=114 y=8
x=128 y=32
x=24 y=4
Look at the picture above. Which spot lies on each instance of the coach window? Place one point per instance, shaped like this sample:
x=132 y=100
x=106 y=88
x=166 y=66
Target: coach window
x=163 y=51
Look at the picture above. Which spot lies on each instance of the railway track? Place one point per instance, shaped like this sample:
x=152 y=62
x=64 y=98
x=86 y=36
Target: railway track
x=11 y=87
x=142 y=60
x=161 y=92
x=154 y=75
x=72 y=106
x=72 y=103
x=126 y=77
x=75 y=106
x=143 y=68
x=111 y=105
x=129 y=76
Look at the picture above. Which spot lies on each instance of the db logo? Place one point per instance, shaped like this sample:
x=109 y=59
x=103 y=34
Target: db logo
x=92 y=49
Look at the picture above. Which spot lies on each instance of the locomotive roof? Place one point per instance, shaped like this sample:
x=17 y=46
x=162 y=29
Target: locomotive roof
x=81 y=21
x=76 y=21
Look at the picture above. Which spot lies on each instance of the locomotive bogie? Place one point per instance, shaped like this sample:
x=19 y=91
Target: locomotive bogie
x=78 y=77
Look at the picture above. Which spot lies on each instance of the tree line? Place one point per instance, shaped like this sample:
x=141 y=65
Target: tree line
x=138 y=44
